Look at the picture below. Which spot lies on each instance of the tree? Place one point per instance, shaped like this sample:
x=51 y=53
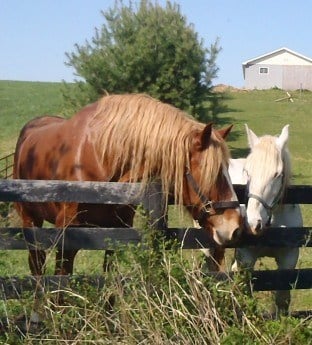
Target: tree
x=149 y=49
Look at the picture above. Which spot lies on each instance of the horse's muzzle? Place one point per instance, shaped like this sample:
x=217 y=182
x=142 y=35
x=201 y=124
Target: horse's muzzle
x=224 y=238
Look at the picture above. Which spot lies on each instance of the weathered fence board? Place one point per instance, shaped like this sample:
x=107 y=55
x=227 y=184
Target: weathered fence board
x=192 y=238
x=282 y=279
x=16 y=287
x=108 y=238
x=68 y=238
x=70 y=191
x=107 y=192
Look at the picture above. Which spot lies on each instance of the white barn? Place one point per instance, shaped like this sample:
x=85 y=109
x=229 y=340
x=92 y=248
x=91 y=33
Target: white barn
x=282 y=68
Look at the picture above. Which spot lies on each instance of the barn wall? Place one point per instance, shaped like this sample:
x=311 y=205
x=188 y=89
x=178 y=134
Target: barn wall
x=255 y=80
x=297 y=77
x=285 y=77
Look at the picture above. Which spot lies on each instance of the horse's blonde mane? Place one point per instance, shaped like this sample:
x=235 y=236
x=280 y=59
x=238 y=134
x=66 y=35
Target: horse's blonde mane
x=148 y=139
x=269 y=159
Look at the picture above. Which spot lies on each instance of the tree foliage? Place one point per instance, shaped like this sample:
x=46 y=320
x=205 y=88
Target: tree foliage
x=145 y=48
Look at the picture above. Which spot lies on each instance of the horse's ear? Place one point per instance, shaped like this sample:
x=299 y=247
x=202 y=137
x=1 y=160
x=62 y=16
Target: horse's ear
x=224 y=132
x=205 y=136
x=251 y=136
x=283 y=138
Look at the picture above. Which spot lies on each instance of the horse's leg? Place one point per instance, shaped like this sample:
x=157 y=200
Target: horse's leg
x=65 y=261
x=36 y=257
x=124 y=221
x=282 y=302
x=122 y=217
x=65 y=258
x=107 y=260
x=36 y=261
x=205 y=266
x=245 y=258
x=214 y=259
x=286 y=258
x=109 y=305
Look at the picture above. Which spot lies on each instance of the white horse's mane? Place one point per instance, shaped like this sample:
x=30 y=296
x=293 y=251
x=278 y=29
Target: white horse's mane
x=276 y=160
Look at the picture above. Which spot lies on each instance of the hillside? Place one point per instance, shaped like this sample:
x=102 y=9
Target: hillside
x=22 y=101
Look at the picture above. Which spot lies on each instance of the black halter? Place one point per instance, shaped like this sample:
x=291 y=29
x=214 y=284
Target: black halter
x=269 y=208
x=208 y=205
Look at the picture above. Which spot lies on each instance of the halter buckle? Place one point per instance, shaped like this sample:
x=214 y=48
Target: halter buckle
x=208 y=206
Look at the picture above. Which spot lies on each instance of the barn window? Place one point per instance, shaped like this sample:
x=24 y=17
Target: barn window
x=263 y=70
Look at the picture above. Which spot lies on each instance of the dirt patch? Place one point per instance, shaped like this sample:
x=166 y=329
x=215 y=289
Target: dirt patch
x=227 y=88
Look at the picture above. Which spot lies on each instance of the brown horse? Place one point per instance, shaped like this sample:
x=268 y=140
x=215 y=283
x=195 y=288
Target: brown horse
x=127 y=138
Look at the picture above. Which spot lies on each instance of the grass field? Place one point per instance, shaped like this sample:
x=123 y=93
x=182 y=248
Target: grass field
x=22 y=101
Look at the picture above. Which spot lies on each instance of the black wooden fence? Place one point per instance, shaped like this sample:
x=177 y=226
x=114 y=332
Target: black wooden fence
x=105 y=238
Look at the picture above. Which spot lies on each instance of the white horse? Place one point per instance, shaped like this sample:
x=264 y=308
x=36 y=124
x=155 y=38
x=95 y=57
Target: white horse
x=266 y=172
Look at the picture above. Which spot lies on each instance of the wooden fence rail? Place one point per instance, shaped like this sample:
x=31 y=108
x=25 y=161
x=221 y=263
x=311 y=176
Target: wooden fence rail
x=107 y=238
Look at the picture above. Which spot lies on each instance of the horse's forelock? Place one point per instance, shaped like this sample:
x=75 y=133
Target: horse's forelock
x=216 y=156
x=267 y=158
x=135 y=131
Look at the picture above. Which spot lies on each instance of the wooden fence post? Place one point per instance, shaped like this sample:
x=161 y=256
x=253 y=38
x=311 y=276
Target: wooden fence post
x=154 y=203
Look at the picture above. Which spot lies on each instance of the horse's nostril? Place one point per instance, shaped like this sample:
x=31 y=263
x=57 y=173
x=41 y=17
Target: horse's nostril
x=258 y=227
x=236 y=234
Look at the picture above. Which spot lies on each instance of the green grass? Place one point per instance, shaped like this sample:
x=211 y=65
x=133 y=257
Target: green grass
x=22 y=101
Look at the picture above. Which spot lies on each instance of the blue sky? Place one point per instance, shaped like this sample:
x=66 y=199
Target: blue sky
x=35 y=34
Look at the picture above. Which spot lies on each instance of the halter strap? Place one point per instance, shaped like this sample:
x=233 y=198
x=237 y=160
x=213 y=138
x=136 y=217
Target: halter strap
x=263 y=202
x=208 y=205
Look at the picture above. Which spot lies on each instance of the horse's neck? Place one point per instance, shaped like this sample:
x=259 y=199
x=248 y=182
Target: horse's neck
x=236 y=171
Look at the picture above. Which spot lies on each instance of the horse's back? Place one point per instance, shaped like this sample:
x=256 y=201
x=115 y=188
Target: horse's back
x=54 y=148
x=236 y=171
x=35 y=143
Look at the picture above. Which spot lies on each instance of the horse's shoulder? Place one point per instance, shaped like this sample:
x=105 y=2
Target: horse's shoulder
x=288 y=215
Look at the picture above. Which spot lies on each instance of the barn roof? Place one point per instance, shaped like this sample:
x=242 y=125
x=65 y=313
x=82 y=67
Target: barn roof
x=274 y=53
